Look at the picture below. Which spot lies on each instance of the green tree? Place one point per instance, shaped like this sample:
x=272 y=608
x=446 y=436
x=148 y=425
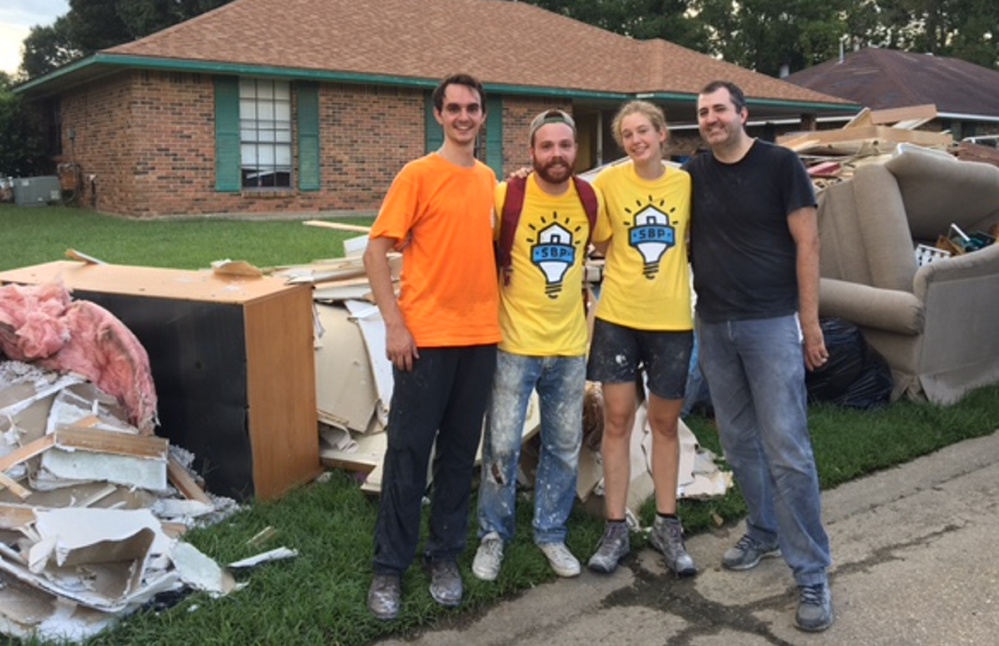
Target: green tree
x=47 y=48
x=93 y=25
x=766 y=35
x=21 y=137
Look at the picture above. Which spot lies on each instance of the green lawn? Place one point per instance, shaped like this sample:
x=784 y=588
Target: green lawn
x=318 y=598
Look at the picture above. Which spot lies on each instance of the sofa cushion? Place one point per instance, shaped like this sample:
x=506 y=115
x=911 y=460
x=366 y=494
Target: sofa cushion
x=880 y=214
x=890 y=310
x=938 y=190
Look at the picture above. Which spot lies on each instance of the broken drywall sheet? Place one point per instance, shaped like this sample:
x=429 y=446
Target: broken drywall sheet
x=200 y=572
x=276 y=554
x=345 y=395
x=369 y=319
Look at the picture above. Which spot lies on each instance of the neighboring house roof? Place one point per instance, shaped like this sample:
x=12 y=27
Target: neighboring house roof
x=887 y=78
x=511 y=46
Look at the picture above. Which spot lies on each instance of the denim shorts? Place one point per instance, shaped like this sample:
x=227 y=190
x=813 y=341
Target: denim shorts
x=619 y=353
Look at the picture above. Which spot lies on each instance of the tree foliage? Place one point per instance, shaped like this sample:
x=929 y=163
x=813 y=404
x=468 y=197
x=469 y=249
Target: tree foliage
x=93 y=25
x=21 y=135
x=766 y=35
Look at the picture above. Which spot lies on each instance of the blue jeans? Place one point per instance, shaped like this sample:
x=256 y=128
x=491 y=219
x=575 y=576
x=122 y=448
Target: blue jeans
x=560 y=382
x=755 y=370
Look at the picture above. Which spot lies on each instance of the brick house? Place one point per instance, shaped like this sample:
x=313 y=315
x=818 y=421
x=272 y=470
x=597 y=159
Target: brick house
x=303 y=106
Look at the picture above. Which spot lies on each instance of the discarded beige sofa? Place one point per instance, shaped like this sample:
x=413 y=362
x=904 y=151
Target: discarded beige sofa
x=937 y=325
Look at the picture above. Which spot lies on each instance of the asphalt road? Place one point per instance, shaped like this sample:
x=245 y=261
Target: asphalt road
x=915 y=564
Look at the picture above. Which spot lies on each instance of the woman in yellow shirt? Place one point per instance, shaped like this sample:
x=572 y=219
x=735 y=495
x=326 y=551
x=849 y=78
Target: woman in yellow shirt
x=643 y=325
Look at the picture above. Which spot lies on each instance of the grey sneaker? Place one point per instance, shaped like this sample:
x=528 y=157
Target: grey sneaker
x=614 y=546
x=667 y=537
x=747 y=554
x=384 y=595
x=445 y=581
x=488 y=557
x=815 y=611
x=560 y=558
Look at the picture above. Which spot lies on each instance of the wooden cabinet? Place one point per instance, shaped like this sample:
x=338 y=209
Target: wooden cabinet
x=232 y=360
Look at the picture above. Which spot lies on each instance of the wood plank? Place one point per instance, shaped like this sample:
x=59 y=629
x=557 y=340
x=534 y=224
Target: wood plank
x=26 y=452
x=894 y=115
x=342 y=226
x=91 y=439
x=15 y=516
x=14 y=486
x=150 y=282
x=184 y=483
x=862 y=118
x=874 y=133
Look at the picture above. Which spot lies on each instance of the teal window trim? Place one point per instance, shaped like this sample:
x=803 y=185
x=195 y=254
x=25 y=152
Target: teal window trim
x=433 y=133
x=227 y=150
x=494 y=133
x=308 y=137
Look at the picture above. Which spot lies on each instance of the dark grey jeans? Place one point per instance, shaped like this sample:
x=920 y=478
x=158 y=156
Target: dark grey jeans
x=443 y=398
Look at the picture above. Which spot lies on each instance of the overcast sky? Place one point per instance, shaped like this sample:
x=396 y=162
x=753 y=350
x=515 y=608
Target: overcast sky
x=17 y=17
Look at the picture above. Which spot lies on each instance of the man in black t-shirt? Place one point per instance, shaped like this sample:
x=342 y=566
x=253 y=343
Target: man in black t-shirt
x=755 y=253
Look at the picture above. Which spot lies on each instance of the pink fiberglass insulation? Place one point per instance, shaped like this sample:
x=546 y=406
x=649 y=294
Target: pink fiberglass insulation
x=43 y=324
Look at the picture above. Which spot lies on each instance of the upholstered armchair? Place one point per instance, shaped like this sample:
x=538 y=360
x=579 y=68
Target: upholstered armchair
x=936 y=325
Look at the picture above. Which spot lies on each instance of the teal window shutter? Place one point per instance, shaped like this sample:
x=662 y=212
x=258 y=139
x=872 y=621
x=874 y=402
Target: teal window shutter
x=434 y=136
x=308 y=137
x=227 y=158
x=494 y=134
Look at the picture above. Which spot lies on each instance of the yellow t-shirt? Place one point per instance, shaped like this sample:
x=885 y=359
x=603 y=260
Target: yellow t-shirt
x=646 y=282
x=541 y=308
x=447 y=293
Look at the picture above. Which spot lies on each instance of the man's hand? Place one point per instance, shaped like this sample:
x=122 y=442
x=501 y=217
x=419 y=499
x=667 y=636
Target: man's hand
x=400 y=347
x=814 y=347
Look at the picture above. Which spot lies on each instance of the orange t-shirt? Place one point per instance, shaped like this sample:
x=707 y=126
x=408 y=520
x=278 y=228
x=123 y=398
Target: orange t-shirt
x=441 y=214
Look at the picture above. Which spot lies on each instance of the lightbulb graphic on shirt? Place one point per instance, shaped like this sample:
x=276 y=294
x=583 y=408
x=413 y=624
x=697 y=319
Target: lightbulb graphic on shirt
x=553 y=254
x=651 y=234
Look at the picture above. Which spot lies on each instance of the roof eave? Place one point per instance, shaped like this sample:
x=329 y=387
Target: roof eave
x=66 y=76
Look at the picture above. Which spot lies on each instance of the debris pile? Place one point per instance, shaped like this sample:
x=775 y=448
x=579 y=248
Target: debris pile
x=92 y=504
x=869 y=138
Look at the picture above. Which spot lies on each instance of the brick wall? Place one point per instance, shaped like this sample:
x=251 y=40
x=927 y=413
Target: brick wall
x=148 y=138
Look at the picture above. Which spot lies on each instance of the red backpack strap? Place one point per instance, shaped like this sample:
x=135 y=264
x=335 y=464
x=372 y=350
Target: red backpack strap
x=590 y=204
x=512 y=205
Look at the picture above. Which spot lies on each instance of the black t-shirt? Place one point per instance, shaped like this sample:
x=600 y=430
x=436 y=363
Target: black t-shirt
x=742 y=251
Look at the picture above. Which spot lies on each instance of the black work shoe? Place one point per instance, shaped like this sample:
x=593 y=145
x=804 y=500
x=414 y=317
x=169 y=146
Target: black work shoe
x=445 y=581
x=384 y=596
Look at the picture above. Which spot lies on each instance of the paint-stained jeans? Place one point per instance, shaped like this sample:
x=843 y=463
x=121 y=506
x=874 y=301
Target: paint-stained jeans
x=756 y=373
x=442 y=399
x=560 y=382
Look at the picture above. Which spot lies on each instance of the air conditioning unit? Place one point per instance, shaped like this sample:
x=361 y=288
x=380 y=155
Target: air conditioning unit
x=36 y=191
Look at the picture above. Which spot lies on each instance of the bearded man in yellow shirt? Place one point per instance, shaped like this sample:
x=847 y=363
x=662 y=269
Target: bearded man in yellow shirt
x=543 y=347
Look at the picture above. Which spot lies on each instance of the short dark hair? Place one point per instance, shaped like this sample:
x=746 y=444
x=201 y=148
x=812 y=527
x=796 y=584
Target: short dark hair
x=734 y=91
x=467 y=80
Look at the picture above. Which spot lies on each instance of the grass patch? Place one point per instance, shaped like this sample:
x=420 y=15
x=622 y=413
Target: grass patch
x=319 y=597
x=43 y=234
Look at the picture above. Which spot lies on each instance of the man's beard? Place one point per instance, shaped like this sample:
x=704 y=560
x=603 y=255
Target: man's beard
x=556 y=171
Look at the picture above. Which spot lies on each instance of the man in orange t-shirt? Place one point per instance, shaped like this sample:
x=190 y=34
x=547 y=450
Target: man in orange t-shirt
x=441 y=337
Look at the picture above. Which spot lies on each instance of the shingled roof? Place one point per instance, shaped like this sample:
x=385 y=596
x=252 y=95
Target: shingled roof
x=887 y=78
x=503 y=43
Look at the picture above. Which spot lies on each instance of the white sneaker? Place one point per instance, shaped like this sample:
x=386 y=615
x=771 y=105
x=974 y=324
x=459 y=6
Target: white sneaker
x=488 y=557
x=560 y=558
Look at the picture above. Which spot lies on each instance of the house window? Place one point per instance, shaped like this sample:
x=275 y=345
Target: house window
x=265 y=133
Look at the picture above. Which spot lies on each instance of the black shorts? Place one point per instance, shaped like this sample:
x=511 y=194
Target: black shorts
x=618 y=353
